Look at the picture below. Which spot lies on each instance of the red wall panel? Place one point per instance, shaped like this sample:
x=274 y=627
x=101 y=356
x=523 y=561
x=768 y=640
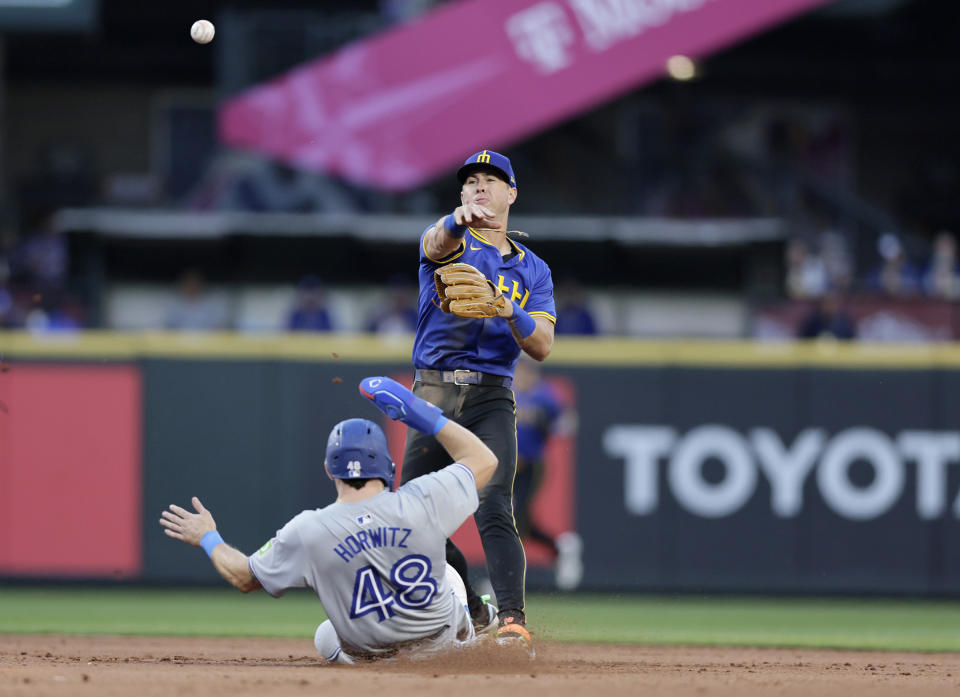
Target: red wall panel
x=70 y=471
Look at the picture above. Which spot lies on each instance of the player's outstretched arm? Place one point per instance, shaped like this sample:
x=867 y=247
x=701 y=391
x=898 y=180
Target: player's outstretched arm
x=400 y=404
x=445 y=237
x=200 y=530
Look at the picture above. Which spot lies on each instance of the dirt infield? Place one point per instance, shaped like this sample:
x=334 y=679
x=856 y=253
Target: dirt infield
x=36 y=666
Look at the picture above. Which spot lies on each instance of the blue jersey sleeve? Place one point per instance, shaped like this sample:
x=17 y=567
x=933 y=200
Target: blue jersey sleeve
x=427 y=259
x=541 y=302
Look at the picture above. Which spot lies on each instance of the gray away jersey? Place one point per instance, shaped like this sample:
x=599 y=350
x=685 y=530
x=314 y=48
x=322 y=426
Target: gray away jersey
x=378 y=566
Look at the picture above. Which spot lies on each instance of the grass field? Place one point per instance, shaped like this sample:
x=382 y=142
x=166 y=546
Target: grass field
x=912 y=625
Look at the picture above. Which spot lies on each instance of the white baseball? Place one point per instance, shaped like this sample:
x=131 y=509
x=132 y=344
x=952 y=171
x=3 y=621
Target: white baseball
x=202 y=31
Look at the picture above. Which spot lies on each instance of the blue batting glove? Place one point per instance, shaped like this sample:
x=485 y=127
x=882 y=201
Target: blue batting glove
x=400 y=404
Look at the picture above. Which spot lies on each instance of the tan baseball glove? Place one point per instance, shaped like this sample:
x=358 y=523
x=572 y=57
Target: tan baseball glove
x=466 y=292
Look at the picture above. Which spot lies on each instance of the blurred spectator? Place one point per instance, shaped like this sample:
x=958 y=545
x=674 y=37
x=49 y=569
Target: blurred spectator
x=9 y=316
x=310 y=314
x=573 y=315
x=9 y=312
x=400 y=315
x=54 y=311
x=806 y=272
x=895 y=276
x=836 y=259
x=33 y=280
x=42 y=259
x=538 y=413
x=942 y=277
x=834 y=250
x=827 y=319
x=193 y=309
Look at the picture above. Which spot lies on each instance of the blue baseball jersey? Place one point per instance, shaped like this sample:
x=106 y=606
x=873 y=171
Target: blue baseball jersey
x=447 y=342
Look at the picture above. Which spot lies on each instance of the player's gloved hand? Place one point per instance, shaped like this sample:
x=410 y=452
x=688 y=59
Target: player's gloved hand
x=400 y=404
x=466 y=292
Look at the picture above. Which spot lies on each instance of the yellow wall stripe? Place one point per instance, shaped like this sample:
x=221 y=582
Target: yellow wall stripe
x=366 y=348
x=363 y=348
x=748 y=354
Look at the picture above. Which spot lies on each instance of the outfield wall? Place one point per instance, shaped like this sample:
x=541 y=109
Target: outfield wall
x=696 y=466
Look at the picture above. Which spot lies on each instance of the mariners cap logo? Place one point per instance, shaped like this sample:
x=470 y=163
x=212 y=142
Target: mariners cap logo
x=488 y=159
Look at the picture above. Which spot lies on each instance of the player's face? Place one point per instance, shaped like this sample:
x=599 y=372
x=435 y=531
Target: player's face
x=488 y=190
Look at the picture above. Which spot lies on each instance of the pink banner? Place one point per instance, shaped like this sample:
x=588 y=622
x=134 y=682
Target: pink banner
x=401 y=107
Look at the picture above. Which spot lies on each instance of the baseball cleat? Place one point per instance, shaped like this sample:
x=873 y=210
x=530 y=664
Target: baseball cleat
x=486 y=619
x=513 y=632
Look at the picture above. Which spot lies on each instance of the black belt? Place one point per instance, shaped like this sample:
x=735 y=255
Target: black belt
x=463 y=377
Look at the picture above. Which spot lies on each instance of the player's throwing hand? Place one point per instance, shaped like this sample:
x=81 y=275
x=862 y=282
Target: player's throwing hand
x=181 y=524
x=475 y=215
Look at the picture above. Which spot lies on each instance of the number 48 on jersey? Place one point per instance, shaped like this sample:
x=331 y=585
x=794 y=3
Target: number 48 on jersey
x=410 y=576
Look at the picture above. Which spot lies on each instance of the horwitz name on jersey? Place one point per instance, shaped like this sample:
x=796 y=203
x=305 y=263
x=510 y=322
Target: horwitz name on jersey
x=372 y=539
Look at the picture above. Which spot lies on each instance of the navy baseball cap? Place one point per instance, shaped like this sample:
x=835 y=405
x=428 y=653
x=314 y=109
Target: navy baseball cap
x=488 y=159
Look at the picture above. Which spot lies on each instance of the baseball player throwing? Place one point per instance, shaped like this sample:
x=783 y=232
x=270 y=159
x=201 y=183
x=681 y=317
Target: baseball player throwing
x=375 y=557
x=483 y=299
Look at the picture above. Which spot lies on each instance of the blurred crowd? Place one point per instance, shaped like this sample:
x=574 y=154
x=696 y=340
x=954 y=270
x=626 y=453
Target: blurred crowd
x=676 y=157
x=38 y=294
x=193 y=308
x=816 y=268
x=34 y=288
x=822 y=274
x=820 y=271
